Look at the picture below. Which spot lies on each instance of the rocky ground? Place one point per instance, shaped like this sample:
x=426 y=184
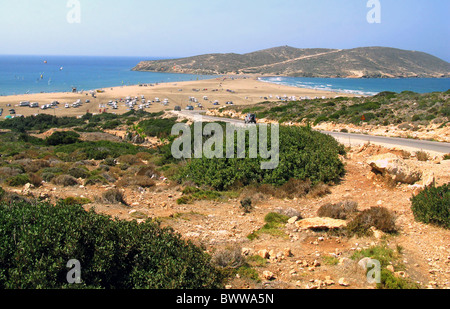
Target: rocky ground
x=297 y=258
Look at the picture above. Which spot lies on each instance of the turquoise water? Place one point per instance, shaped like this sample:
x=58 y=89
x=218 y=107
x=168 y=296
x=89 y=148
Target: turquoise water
x=366 y=86
x=30 y=74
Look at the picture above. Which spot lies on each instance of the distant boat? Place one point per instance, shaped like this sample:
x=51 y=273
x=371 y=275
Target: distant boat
x=61 y=68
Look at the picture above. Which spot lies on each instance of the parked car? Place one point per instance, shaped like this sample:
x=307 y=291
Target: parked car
x=177 y=108
x=190 y=108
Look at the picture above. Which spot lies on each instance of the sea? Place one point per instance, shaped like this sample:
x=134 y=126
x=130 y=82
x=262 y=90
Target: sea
x=43 y=74
x=364 y=86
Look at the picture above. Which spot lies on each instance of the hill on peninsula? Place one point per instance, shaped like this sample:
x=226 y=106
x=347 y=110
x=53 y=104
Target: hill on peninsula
x=364 y=62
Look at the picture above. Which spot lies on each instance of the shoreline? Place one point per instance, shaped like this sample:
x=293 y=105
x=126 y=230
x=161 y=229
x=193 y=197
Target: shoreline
x=241 y=90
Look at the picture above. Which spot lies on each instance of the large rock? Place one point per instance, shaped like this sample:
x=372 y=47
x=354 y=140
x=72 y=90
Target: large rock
x=396 y=168
x=320 y=223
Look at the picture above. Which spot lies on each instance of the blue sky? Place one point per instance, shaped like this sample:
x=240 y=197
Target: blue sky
x=177 y=28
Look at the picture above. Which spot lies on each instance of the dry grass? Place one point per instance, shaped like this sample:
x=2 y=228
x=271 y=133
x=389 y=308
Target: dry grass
x=422 y=156
x=319 y=190
x=113 y=196
x=35 y=180
x=230 y=257
x=65 y=181
x=379 y=217
x=341 y=210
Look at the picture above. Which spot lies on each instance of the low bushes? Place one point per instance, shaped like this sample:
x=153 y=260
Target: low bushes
x=432 y=206
x=65 y=181
x=192 y=194
x=387 y=256
x=113 y=196
x=379 y=217
x=38 y=240
x=304 y=155
x=274 y=221
x=62 y=138
x=18 y=181
x=341 y=210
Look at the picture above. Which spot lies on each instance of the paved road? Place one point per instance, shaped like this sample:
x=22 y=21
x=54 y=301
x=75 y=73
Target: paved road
x=349 y=138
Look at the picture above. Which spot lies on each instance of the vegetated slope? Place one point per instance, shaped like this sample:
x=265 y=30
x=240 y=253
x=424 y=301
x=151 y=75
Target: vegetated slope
x=374 y=62
x=383 y=109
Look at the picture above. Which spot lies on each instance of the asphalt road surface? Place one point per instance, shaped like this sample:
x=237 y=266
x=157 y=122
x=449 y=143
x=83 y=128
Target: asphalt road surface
x=346 y=138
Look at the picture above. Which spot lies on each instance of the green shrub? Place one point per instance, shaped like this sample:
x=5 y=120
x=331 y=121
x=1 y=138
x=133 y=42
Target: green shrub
x=157 y=127
x=2 y=193
x=201 y=195
x=274 y=221
x=40 y=122
x=386 y=256
x=112 y=124
x=79 y=172
x=276 y=218
x=76 y=201
x=100 y=150
x=432 y=206
x=18 y=181
x=38 y=241
x=62 y=138
x=304 y=154
x=110 y=162
x=95 y=179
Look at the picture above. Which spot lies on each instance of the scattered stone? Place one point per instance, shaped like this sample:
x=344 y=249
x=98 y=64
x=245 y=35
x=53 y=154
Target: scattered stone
x=428 y=179
x=247 y=251
x=268 y=275
x=328 y=281
x=264 y=254
x=320 y=223
x=396 y=168
x=288 y=252
x=293 y=220
x=343 y=282
x=377 y=233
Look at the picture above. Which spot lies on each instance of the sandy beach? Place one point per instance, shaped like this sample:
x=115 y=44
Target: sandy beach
x=239 y=90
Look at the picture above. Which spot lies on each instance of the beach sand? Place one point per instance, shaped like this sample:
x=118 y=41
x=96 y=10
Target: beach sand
x=246 y=91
